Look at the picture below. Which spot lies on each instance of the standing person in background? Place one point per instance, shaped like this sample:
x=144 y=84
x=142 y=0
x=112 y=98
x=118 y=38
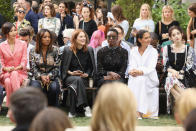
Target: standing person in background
x=50 y=22
x=191 y=28
x=120 y=19
x=143 y=79
x=31 y=16
x=88 y=24
x=21 y=22
x=144 y=22
x=41 y=8
x=66 y=21
x=167 y=21
x=77 y=15
x=13 y=55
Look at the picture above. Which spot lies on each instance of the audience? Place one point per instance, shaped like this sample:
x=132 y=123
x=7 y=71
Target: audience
x=44 y=66
x=50 y=119
x=184 y=105
x=177 y=59
x=77 y=66
x=111 y=60
x=25 y=104
x=13 y=58
x=142 y=67
x=114 y=109
x=50 y=22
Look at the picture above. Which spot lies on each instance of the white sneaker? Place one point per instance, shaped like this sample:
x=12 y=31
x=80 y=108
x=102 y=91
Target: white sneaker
x=70 y=115
x=87 y=111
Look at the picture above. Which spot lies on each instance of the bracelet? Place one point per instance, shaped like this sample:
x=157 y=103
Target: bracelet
x=188 y=40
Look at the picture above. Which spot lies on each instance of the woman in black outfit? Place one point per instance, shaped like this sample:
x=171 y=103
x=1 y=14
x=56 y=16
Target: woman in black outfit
x=88 y=24
x=167 y=21
x=66 y=21
x=77 y=66
x=111 y=60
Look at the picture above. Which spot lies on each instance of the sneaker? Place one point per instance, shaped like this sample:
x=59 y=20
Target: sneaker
x=70 y=115
x=87 y=112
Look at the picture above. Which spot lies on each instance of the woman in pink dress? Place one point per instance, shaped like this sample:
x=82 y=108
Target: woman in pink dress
x=13 y=56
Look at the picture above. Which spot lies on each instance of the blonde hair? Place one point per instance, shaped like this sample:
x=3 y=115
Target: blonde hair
x=169 y=8
x=114 y=109
x=149 y=11
x=186 y=103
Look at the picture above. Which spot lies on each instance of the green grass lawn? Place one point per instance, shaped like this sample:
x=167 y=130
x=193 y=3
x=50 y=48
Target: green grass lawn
x=164 y=120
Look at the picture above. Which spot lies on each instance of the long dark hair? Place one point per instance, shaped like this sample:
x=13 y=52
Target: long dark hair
x=39 y=37
x=140 y=35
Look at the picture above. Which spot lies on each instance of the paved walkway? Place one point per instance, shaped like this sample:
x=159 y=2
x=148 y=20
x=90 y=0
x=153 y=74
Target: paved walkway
x=138 y=128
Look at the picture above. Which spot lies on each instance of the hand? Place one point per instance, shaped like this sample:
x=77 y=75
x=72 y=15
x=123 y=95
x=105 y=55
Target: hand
x=18 y=67
x=84 y=75
x=175 y=73
x=76 y=73
x=135 y=73
x=108 y=77
x=114 y=75
x=165 y=36
x=193 y=32
x=9 y=69
x=44 y=80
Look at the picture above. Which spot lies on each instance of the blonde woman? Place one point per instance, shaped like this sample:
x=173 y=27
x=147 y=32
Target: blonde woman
x=145 y=21
x=185 y=104
x=111 y=113
x=167 y=21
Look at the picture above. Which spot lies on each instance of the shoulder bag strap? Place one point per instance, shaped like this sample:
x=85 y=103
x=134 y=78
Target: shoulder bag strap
x=159 y=27
x=79 y=62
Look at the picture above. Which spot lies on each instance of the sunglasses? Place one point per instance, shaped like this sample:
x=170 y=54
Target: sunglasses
x=21 y=11
x=112 y=37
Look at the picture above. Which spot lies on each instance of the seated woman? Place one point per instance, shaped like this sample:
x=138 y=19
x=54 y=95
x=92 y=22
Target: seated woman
x=111 y=60
x=77 y=66
x=44 y=66
x=143 y=79
x=13 y=55
x=177 y=58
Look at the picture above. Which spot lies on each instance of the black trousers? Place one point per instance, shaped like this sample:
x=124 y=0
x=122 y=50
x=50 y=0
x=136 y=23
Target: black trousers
x=76 y=97
x=52 y=92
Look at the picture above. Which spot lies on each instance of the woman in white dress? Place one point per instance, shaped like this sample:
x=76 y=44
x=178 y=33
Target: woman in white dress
x=143 y=79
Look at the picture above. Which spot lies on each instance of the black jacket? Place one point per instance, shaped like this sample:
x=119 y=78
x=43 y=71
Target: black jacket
x=66 y=59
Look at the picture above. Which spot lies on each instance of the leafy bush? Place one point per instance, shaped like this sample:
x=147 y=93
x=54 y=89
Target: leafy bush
x=180 y=11
x=6 y=10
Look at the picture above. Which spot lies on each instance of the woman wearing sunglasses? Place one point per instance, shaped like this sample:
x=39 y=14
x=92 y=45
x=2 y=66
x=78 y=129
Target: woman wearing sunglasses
x=21 y=22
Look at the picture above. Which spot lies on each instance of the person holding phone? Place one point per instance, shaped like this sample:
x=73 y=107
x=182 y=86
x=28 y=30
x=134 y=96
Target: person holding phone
x=77 y=66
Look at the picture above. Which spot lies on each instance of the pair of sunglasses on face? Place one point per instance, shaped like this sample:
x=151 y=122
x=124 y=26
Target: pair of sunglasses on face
x=21 y=11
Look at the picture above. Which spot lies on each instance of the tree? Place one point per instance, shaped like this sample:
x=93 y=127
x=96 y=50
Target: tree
x=6 y=10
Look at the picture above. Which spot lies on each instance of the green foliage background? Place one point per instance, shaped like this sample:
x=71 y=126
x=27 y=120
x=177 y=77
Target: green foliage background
x=6 y=10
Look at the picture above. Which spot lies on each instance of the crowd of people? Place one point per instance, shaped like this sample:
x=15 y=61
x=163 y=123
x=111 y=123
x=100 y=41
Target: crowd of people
x=53 y=46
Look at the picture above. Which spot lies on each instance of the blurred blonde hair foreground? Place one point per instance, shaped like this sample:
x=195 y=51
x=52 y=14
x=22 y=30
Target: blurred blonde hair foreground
x=114 y=109
x=185 y=104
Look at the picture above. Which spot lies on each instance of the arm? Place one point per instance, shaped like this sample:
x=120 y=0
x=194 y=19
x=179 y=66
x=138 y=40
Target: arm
x=188 y=32
x=34 y=69
x=151 y=26
x=54 y=73
x=58 y=26
x=23 y=63
x=124 y=62
x=100 y=67
x=40 y=24
x=153 y=57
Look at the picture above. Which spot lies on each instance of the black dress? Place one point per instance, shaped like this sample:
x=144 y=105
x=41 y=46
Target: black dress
x=89 y=27
x=111 y=59
x=76 y=85
x=164 y=29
